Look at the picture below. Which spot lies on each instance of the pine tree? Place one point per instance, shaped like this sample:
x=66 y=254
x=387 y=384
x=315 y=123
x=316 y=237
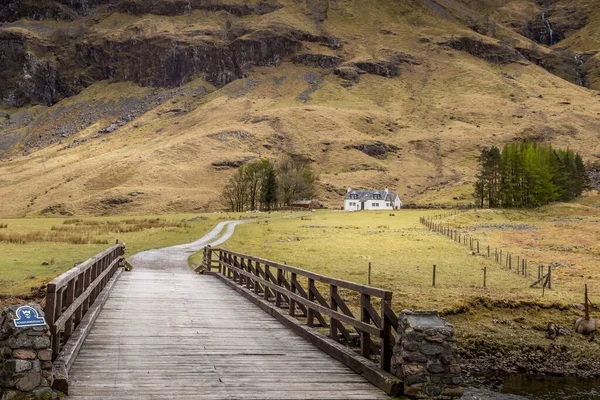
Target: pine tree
x=528 y=174
x=268 y=190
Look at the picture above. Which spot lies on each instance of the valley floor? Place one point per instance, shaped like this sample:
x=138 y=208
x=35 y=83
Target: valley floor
x=501 y=328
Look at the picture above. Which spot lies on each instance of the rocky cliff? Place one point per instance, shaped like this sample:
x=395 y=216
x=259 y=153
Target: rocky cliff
x=433 y=80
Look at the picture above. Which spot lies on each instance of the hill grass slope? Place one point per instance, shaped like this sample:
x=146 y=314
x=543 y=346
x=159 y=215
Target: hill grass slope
x=132 y=107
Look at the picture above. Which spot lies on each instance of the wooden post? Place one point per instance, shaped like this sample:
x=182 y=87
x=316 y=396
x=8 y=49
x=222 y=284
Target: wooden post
x=477 y=246
x=292 y=309
x=365 y=337
x=369 y=276
x=510 y=261
x=484 y=276
x=587 y=304
x=386 y=339
x=434 y=268
x=488 y=251
x=266 y=276
x=279 y=283
x=310 y=317
x=539 y=271
x=333 y=323
x=549 y=277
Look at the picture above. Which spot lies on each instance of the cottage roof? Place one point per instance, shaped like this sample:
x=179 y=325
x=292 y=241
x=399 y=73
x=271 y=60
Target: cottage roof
x=364 y=195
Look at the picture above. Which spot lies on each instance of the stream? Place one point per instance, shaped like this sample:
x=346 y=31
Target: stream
x=552 y=387
x=524 y=387
x=579 y=62
x=549 y=26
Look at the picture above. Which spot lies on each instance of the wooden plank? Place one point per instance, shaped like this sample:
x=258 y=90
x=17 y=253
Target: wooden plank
x=363 y=326
x=64 y=278
x=384 y=380
x=171 y=335
x=372 y=291
x=71 y=310
x=68 y=354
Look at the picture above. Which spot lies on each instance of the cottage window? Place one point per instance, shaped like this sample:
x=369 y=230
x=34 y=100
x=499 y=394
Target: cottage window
x=377 y=196
x=354 y=196
x=375 y=204
x=389 y=204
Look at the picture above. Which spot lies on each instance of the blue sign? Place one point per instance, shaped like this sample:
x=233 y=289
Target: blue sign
x=28 y=316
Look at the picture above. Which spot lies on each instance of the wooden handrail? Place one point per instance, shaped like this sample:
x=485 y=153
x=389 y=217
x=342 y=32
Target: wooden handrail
x=364 y=289
x=71 y=294
x=268 y=280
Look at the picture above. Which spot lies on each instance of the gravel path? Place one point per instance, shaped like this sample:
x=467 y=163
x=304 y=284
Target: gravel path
x=176 y=257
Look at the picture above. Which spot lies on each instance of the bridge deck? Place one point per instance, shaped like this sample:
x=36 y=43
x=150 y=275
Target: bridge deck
x=170 y=334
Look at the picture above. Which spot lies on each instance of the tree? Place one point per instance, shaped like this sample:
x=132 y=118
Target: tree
x=260 y=184
x=268 y=189
x=528 y=174
x=296 y=180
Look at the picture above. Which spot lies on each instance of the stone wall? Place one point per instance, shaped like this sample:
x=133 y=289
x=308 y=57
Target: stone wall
x=424 y=356
x=25 y=359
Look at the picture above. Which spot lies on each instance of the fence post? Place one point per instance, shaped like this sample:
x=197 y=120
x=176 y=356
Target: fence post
x=434 y=268
x=369 y=276
x=549 y=277
x=587 y=304
x=484 y=276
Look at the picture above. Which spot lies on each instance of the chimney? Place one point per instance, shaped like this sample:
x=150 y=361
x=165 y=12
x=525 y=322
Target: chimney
x=387 y=190
x=349 y=190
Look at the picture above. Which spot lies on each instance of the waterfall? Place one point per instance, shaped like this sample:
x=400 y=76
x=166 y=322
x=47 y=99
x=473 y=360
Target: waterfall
x=549 y=26
x=579 y=62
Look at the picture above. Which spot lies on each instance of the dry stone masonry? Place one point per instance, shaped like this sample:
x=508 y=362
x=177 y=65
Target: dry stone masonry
x=424 y=356
x=26 y=371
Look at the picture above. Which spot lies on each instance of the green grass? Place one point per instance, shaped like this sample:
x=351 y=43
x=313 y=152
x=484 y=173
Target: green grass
x=59 y=243
x=506 y=315
x=401 y=250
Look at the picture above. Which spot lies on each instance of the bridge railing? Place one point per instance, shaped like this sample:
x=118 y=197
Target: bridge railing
x=71 y=295
x=317 y=300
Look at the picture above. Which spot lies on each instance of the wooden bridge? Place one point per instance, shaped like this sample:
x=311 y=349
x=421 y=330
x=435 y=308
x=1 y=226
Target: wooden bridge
x=163 y=332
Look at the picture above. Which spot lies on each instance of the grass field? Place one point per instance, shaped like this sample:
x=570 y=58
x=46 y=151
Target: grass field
x=402 y=253
x=507 y=315
x=26 y=244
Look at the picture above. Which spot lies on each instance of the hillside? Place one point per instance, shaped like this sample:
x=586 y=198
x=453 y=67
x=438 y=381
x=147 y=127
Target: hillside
x=138 y=107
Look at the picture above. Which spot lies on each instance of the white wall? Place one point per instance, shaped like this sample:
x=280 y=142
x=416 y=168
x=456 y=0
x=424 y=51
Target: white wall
x=351 y=205
x=355 y=205
x=381 y=205
x=397 y=203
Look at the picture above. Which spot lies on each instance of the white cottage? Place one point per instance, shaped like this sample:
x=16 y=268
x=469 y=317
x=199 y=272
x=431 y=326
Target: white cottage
x=371 y=200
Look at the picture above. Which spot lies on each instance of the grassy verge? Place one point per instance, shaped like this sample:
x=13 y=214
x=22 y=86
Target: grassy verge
x=37 y=250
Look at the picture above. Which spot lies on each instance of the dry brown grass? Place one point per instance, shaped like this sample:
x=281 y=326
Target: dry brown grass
x=57 y=236
x=444 y=110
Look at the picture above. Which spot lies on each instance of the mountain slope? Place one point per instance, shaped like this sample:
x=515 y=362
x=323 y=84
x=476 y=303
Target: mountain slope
x=145 y=107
